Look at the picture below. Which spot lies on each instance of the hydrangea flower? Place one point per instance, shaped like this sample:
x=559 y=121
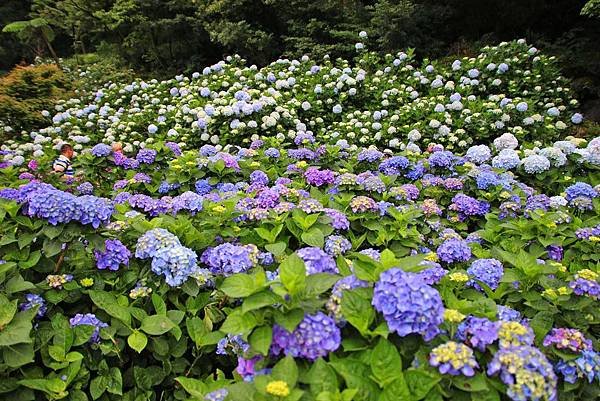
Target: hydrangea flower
x=454 y=250
x=89 y=319
x=587 y=366
x=336 y=245
x=114 y=255
x=527 y=373
x=227 y=259
x=488 y=271
x=408 y=304
x=152 y=240
x=477 y=332
x=32 y=301
x=317 y=261
x=453 y=358
x=176 y=263
x=316 y=336
x=568 y=339
x=232 y=345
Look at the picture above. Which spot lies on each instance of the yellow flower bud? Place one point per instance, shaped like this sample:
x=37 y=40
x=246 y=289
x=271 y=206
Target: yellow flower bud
x=278 y=388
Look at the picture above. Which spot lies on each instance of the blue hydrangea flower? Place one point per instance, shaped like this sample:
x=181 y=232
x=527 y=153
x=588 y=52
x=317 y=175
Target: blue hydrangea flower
x=316 y=336
x=89 y=319
x=479 y=154
x=408 y=304
x=527 y=373
x=454 y=359
x=336 y=245
x=101 y=150
x=153 y=240
x=32 y=301
x=232 y=345
x=393 y=165
x=454 y=250
x=317 y=261
x=175 y=262
x=488 y=271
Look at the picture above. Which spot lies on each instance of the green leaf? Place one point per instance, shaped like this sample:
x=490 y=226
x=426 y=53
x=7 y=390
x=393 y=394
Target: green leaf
x=137 y=341
x=239 y=323
x=51 y=247
x=396 y=390
x=33 y=260
x=322 y=377
x=18 y=330
x=98 y=386
x=193 y=386
x=108 y=303
x=196 y=329
x=470 y=384
x=238 y=286
x=156 y=325
x=18 y=355
x=159 y=305
x=115 y=382
x=386 y=363
x=357 y=310
x=7 y=310
x=260 y=339
x=420 y=382
x=289 y=320
x=286 y=370
x=277 y=248
x=541 y=324
x=313 y=237
x=293 y=274
x=318 y=283
x=260 y=300
x=18 y=284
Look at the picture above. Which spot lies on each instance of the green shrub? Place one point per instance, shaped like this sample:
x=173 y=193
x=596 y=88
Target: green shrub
x=26 y=91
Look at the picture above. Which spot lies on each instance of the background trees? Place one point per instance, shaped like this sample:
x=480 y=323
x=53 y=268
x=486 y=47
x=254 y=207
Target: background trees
x=168 y=36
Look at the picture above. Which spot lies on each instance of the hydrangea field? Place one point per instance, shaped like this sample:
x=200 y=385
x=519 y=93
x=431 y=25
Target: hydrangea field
x=376 y=229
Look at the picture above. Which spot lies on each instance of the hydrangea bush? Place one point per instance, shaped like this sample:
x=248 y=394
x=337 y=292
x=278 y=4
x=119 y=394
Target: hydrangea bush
x=320 y=230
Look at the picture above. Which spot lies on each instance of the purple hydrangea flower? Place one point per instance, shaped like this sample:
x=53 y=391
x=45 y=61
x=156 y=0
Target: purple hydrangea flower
x=146 y=156
x=227 y=259
x=477 y=332
x=114 y=255
x=316 y=336
x=85 y=188
x=408 y=304
x=569 y=339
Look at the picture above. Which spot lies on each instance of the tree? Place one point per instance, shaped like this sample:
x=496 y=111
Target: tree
x=33 y=29
x=591 y=9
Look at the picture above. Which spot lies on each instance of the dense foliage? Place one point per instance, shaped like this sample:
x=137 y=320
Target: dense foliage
x=311 y=230
x=27 y=91
x=167 y=37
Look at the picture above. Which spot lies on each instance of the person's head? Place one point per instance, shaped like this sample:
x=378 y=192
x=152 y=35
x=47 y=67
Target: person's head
x=66 y=150
x=117 y=147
